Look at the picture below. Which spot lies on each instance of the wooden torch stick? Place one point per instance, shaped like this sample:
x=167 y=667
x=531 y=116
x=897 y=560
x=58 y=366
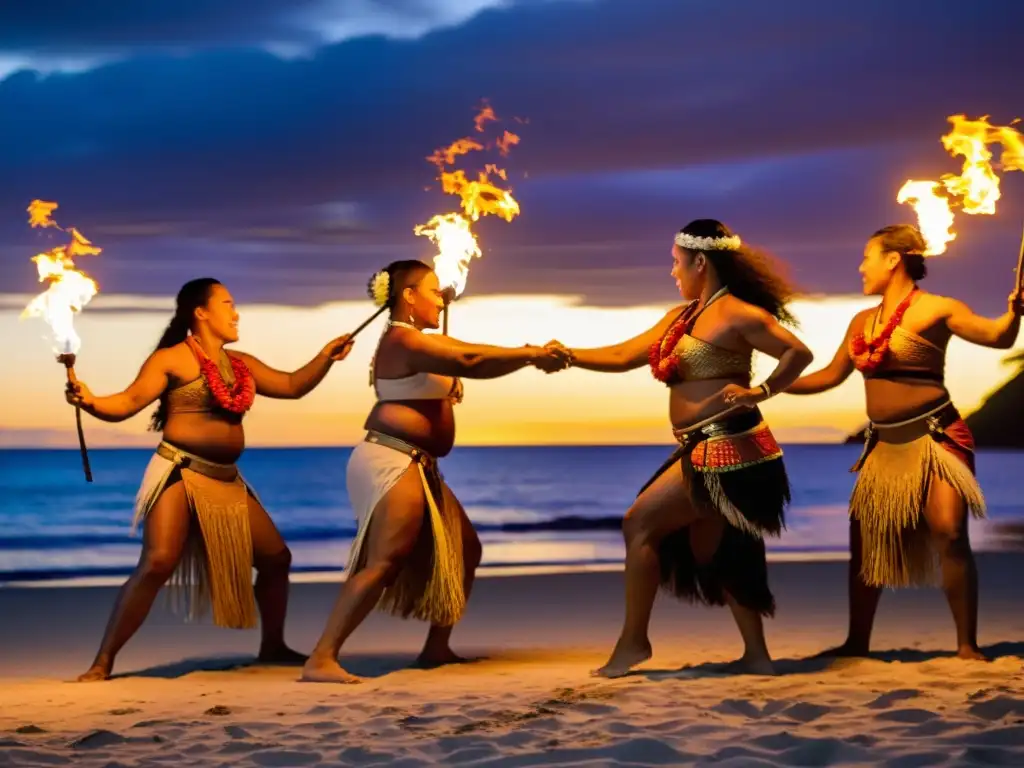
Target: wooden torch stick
x=1020 y=265
x=69 y=366
x=449 y=296
x=367 y=321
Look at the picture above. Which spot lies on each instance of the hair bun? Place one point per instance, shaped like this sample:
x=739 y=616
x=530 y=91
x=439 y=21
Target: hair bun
x=379 y=288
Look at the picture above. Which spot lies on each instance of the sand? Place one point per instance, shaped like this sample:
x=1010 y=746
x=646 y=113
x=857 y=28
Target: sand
x=188 y=695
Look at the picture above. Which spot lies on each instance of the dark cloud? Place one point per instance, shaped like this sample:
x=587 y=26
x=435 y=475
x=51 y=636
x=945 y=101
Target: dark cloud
x=111 y=27
x=796 y=122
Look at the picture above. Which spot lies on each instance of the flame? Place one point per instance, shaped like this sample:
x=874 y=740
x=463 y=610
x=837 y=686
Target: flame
x=69 y=289
x=452 y=233
x=975 y=189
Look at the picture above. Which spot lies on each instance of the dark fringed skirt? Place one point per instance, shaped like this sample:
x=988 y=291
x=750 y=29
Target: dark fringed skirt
x=733 y=468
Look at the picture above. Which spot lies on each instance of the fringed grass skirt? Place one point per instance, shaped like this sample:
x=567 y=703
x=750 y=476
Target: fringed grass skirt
x=733 y=468
x=896 y=469
x=216 y=568
x=430 y=589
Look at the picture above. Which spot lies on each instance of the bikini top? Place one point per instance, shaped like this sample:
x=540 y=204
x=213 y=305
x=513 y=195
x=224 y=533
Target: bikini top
x=700 y=360
x=195 y=396
x=680 y=357
x=909 y=356
x=418 y=386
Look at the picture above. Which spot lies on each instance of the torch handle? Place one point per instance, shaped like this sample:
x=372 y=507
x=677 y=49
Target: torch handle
x=72 y=379
x=367 y=321
x=1020 y=265
x=449 y=296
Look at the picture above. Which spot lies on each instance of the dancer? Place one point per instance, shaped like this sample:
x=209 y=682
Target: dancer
x=203 y=523
x=916 y=478
x=697 y=526
x=416 y=552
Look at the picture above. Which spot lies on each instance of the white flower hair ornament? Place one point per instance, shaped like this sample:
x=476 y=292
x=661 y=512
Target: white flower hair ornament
x=380 y=288
x=691 y=243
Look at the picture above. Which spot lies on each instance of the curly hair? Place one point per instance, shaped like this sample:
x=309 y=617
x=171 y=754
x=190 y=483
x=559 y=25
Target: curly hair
x=750 y=274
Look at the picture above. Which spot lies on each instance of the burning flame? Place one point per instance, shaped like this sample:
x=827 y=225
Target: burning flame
x=69 y=289
x=976 y=189
x=452 y=233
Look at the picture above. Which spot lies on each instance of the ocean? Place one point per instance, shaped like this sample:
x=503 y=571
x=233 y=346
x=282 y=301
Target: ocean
x=551 y=507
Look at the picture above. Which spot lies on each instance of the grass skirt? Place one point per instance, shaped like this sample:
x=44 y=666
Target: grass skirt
x=215 y=572
x=431 y=588
x=897 y=466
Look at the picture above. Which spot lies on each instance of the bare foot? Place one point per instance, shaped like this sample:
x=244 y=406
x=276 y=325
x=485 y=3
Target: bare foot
x=326 y=671
x=433 y=659
x=95 y=673
x=847 y=650
x=750 y=665
x=971 y=653
x=281 y=655
x=624 y=658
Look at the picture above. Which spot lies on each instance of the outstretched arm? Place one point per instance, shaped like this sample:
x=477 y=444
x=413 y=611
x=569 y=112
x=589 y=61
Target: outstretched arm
x=627 y=355
x=829 y=377
x=450 y=357
x=150 y=382
x=281 y=385
x=999 y=333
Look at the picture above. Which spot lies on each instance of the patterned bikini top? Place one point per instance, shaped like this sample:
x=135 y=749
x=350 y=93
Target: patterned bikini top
x=906 y=356
x=193 y=397
x=678 y=356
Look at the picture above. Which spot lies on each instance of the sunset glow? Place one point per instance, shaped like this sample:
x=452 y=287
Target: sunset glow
x=575 y=407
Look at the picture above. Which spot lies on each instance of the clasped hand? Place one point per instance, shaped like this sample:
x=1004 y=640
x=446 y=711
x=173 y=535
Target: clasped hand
x=556 y=357
x=1015 y=302
x=78 y=395
x=338 y=349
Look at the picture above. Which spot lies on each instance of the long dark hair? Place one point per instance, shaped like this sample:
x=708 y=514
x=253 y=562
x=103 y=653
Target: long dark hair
x=909 y=243
x=749 y=274
x=401 y=275
x=193 y=295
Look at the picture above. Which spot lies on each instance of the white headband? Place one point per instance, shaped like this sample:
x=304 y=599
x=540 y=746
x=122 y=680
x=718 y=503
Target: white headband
x=691 y=243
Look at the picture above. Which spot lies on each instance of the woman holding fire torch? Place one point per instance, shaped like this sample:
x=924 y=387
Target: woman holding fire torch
x=416 y=552
x=202 y=522
x=916 y=479
x=697 y=527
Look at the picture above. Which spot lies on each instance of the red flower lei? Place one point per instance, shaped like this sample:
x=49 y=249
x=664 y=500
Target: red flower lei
x=868 y=355
x=237 y=399
x=661 y=354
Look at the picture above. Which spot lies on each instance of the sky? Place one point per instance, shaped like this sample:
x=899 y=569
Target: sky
x=279 y=145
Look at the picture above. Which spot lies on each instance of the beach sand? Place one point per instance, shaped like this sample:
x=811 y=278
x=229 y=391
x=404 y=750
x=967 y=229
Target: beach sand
x=187 y=695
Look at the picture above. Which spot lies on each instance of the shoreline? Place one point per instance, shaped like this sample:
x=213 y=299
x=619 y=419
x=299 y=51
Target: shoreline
x=188 y=694
x=483 y=572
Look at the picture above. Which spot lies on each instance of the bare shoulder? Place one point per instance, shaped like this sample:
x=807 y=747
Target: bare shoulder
x=169 y=358
x=397 y=337
x=676 y=311
x=177 y=362
x=933 y=302
x=743 y=313
x=860 y=320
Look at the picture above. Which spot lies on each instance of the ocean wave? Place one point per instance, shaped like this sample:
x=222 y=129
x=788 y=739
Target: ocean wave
x=58 y=541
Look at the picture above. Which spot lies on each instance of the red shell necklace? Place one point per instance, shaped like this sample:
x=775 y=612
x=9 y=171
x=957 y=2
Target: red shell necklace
x=661 y=355
x=237 y=398
x=868 y=355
